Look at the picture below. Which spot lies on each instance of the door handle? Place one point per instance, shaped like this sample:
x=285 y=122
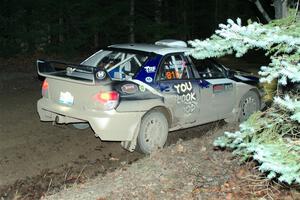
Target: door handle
x=168 y=89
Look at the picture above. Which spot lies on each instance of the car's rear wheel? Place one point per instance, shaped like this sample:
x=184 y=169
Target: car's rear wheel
x=153 y=132
x=81 y=126
x=249 y=104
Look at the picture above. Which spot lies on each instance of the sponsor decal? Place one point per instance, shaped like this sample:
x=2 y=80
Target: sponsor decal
x=218 y=88
x=203 y=84
x=100 y=75
x=222 y=87
x=129 y=88
x=228 y=86
x=186 y=97
x=142 y=88
x=150 y=69
x=152 y=62
x=148 y=79
x=148 y=87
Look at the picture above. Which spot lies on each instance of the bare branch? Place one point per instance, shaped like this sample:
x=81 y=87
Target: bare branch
x=261 y=10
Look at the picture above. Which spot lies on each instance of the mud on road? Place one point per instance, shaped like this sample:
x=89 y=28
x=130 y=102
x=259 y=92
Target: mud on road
x=38 y=158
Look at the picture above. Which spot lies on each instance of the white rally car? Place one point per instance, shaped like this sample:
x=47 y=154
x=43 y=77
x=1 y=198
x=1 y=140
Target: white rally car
x=137 y=93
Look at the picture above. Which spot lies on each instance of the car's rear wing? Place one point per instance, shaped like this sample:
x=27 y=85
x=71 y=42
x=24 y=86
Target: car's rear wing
x=70 y=72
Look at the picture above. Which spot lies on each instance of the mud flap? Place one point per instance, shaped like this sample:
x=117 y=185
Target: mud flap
x=130 y=145
x=234 y=116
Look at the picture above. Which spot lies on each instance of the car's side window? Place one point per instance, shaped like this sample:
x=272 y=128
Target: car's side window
x=174 y=67
x=209 y=69
x=121 y=65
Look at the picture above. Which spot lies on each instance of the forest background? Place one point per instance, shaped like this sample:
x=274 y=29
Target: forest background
x=80 y=27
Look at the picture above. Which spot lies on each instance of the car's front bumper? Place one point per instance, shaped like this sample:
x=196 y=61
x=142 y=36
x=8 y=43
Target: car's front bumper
x=108 y=125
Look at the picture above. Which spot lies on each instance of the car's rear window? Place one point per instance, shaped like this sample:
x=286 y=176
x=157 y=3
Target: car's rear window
x=119 y=65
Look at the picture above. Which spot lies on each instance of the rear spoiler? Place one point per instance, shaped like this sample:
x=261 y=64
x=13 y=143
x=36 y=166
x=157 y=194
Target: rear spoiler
x=70 y=72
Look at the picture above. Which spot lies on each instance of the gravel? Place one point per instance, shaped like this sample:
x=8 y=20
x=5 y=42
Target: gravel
x=184 y=170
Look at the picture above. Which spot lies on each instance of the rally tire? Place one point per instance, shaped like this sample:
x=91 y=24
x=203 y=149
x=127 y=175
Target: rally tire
x=249 y=104
x=153 y=132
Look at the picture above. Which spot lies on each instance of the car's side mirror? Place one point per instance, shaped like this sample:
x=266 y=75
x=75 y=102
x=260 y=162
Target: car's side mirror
x=230 y=73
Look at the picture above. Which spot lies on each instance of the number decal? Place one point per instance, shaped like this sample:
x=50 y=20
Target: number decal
x=172 y=75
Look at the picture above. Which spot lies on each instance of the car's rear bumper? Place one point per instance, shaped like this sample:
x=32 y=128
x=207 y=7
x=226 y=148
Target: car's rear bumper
x=108 y=125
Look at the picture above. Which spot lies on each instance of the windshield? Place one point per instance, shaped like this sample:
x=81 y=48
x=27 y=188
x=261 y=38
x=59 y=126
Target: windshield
x=119 y=65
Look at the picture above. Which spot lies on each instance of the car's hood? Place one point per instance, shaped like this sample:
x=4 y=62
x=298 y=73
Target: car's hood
x=244 y=77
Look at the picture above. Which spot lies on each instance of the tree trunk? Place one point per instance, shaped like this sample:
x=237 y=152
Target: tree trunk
x=185 y=23
x=131 y=23
x=262 y=10
x=158 y=18
x=281 y=8
x=158 y=15
x=96 y=40
x=49 y=34
x=281 y=11
x=61 y=28
x=216 y=13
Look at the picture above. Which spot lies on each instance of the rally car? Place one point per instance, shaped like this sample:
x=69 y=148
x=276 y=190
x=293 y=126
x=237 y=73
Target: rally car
x=137 y=93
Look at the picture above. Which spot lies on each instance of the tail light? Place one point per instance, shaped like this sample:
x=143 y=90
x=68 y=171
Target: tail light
x=109 y=99
x=45 y=88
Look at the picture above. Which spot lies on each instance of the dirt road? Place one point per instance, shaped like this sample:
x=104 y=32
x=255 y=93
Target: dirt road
x=28 y=146
x=35 y=153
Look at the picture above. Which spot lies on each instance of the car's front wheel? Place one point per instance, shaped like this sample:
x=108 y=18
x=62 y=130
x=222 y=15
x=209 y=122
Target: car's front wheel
x=249 y=104
x=153 y=132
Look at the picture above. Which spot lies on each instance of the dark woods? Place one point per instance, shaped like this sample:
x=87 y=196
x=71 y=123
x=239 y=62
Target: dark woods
x=65 y=26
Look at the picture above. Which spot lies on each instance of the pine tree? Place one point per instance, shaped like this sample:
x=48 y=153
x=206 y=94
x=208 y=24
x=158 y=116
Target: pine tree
x=271 y=137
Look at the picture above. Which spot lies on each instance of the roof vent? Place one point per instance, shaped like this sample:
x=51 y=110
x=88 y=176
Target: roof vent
x=171 y=43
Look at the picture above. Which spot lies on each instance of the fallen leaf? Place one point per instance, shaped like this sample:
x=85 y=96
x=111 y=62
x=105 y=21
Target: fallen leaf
x=241 y=173
x=228 y=196
x=179 y=148
x=196 y=190
x=113 y=159
x=295 y=194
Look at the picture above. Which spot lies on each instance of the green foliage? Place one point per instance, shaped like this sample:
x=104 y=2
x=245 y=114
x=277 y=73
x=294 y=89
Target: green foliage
x=283 y=44
x=270 y=137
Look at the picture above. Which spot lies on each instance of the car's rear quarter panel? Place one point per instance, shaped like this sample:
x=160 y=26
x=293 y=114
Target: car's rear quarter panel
x=242 y=89
x=84 y=95
x=108 y=125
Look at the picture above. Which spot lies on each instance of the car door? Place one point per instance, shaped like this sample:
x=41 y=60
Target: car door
x=218 y=97
x=179 y=88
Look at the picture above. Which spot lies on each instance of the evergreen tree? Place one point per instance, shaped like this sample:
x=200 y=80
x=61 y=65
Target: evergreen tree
x=270 y=137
